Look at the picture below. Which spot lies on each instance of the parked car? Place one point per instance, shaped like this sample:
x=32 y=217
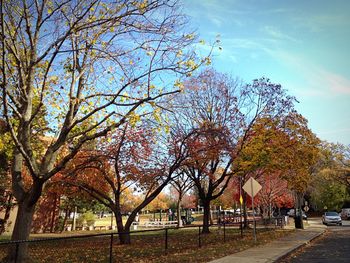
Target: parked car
x=345 y=213
x=304 y=215
x=331 y=218
x=291 y=213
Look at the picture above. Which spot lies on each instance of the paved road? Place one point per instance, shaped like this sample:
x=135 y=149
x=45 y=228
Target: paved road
x=333 y=246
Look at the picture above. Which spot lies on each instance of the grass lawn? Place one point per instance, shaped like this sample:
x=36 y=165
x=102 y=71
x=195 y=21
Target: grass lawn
x=106 y=221
x=5 y=237
x=148 y=247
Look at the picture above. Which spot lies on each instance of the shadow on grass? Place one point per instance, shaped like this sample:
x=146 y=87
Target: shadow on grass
x=182 y=246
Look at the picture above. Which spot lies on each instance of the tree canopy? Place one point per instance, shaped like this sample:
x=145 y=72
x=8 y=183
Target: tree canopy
x=92 y=65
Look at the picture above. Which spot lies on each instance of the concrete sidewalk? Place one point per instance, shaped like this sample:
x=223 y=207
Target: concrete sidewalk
x=277 y=249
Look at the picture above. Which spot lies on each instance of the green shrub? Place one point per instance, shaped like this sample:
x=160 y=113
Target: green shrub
x=80 y=220
x=89 y=218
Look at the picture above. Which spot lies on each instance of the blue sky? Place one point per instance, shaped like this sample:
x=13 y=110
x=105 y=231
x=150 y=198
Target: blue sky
x=303 y=45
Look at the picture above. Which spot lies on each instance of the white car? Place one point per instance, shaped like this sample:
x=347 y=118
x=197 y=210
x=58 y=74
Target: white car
x=331 y=218
x=345 y=213
x=291 y=213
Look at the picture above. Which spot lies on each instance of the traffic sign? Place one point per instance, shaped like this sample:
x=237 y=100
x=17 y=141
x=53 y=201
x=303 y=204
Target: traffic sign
x=252 y=187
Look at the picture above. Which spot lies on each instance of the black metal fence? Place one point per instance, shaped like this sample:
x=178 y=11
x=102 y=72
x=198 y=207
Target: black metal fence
x=106 y=247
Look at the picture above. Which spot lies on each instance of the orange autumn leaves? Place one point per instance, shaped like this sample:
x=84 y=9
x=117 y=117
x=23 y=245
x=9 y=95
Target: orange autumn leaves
x=286 y=147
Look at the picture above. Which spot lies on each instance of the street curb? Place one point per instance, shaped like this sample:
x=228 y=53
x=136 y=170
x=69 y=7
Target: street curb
x=293 y=249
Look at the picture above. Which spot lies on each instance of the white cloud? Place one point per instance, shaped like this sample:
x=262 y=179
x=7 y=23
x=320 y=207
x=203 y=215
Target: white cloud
x=217 y=13
x=318 y=80
x=277 y=34
x=312 y=80
x=216 y=21
x=321 y=22
x=245 y=43
x=233 y=58
x=337 y=83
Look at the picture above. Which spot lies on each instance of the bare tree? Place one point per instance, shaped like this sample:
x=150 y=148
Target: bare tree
x=222 y=112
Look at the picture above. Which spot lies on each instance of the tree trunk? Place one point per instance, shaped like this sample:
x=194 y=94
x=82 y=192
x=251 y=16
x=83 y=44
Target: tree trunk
x=211 y=222
x=179 y=220
x=298 y=217
x=123 y=232
x=64 y=220
x=206 y=216
x=124 y=237
x=53 y=215
x=26 y=208
x=245 y=215
x=21 y=231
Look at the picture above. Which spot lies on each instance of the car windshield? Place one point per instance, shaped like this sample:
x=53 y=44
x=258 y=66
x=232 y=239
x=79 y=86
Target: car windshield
x=331 y=214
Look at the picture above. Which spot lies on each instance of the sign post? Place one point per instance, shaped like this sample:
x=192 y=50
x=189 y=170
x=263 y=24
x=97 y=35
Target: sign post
x=240 y=207
x=252 y=187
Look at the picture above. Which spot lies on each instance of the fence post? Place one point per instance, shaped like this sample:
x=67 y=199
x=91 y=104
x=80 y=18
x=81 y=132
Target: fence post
x=224 y=232
x=166 y=239
x=241 y=227
x=111 y=249
x=255 y=230
x=199 y=237
x=16 y=255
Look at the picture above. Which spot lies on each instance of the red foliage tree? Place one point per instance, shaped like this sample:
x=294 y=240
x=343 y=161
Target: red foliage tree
x=47 y=212
x=274 y=193
x=128 y=159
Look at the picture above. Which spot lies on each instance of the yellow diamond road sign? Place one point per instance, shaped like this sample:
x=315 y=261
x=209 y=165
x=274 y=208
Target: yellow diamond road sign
x=252 y=187
x=241 y=199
